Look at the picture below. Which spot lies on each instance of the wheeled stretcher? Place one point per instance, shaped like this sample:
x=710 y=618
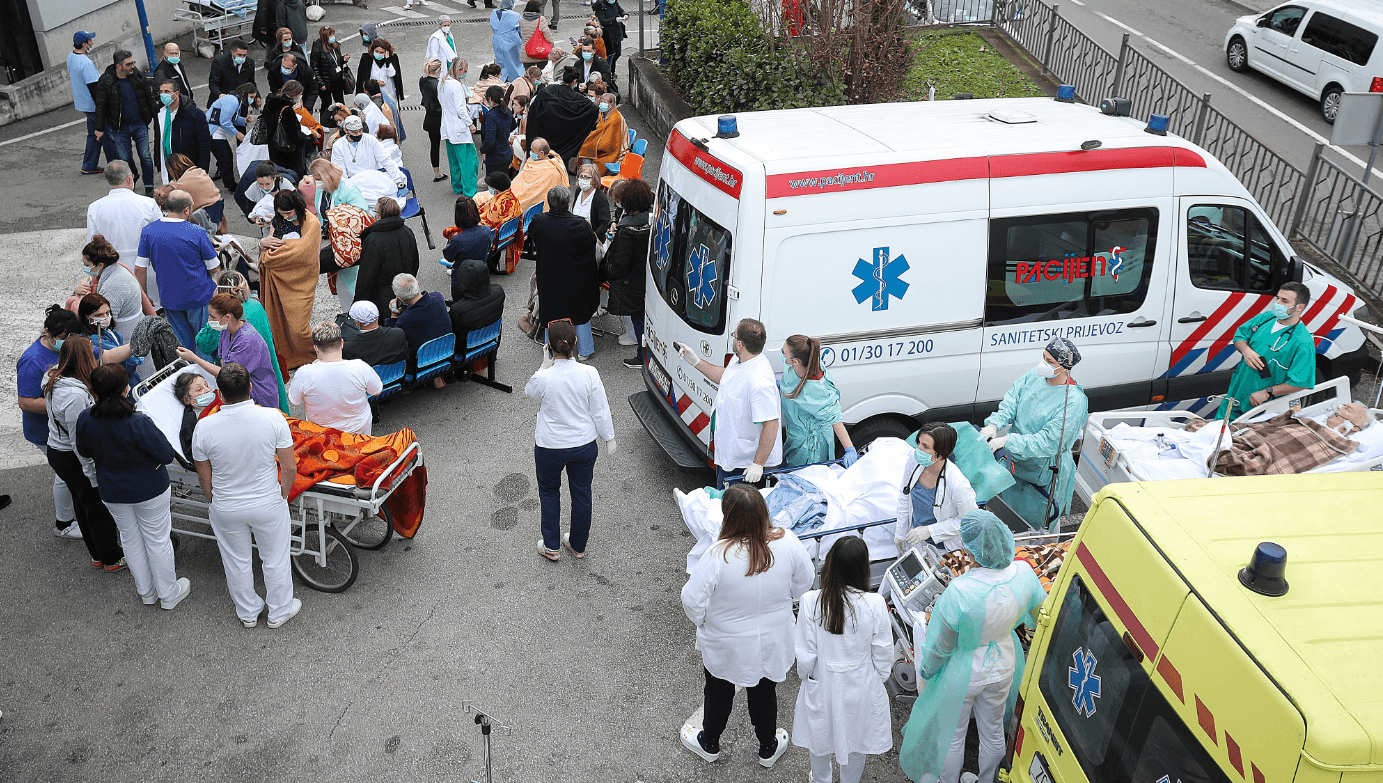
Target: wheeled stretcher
x=1147 y=446
x=330 y=521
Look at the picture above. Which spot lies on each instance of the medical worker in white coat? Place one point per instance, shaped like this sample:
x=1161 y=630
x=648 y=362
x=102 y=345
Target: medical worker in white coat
x=844 y=654
x=935 y=494
x=740 y=597
x=971 y=658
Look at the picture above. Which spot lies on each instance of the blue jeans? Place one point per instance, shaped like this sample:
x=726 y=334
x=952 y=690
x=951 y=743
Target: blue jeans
x=186 y=324
x=579 y=463
x=585 y=340
x=91 y=158
x=138 y=136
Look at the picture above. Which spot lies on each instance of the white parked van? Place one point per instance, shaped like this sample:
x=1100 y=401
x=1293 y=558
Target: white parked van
x=1324 y=48
x=936 y=247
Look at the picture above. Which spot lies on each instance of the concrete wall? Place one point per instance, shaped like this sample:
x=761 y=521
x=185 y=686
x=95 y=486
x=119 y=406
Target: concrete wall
x=113 y=21
x=654 y=96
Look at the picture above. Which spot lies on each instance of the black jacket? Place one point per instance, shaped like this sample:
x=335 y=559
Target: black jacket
x=562 y=116
x=625 y=263
x=293 y=15
x=279 y=109
x=303 y=74
x=190 y=136
x=225 y=77
x=265 y=22
x=608 y=15
x=432 y=106
x=478 y=301
x=362 y=73
x=599 y=64
x=276 y=50
x=387 y=248
x=568 y=280
x=329 y=67
x=600 y=210
x=494 y=138
x=109 y=108
x=166 y=70
x=377 y=347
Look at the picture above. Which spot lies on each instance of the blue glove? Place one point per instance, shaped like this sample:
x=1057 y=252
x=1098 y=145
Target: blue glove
x=851 y=457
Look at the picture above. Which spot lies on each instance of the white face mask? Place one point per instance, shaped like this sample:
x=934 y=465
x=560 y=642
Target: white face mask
x=586 y=183
x=204 y=400
x=102 y=322
x=1045 y=370
x=1345 y=428
x=217 y=325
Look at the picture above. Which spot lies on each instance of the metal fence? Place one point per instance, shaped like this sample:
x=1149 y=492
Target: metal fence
x=1328 y=208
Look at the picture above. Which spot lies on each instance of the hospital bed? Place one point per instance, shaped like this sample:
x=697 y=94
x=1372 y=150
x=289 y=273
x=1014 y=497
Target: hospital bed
x=330 y=521
x=1143 y=446
x=215 y=22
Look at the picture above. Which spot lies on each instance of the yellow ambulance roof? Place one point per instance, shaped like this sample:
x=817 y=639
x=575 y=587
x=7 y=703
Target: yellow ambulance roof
x=1322 y=642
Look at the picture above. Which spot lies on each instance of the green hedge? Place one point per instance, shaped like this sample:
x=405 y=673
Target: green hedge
x=719 y=59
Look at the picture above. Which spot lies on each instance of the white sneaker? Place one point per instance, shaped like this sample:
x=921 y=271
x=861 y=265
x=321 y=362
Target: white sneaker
x=297 y=606
x=150 y=599
x=73 y=532
x=184 y=588
x=782 y=737
x=691 y=740
x=627 y=339
x=969 y=777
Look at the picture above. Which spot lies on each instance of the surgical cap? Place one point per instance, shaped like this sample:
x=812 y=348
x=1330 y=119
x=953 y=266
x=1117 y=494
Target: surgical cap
x=352 y=123
x=988 y=539
x=364 y=312
x=1064 y=351
x=506 y=4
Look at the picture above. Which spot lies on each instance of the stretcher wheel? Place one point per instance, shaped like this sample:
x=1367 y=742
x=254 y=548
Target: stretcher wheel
x=342 y=567
x=372 y=532
x=905 y=676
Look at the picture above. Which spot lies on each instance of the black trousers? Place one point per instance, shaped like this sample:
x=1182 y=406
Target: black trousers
x=99 y=533
x=434 y=140
x=334 y=93
x=763 y=709
x=225 y=163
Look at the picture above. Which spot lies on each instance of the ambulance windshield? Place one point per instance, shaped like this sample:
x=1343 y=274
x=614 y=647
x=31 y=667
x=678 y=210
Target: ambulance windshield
x=690 y=261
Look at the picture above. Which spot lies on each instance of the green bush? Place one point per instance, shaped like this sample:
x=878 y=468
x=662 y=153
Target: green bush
x=720 y=60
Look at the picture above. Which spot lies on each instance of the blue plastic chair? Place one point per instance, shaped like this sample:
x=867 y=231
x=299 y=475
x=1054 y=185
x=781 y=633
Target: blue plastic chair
x=412 y=207
x=530 y=213
x=434 y=358
x=444 y=262
x=639 y=147
x=392 y=376
x=481 y=343
x=503 y=239
x=632 y=135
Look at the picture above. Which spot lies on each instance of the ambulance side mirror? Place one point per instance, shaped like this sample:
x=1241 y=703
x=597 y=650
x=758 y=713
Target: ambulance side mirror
x=1288 y=272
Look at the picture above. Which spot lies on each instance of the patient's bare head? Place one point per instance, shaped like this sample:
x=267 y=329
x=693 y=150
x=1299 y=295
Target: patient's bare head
x=1349 y=419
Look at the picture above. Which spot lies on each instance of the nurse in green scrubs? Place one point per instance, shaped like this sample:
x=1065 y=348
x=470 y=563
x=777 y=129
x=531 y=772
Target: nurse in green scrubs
x=1279 y=353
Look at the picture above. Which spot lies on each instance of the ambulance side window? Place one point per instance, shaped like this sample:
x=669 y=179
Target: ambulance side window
x=690 y=260
x=1227 y=249
x=1169 y=748
x=1074 y=264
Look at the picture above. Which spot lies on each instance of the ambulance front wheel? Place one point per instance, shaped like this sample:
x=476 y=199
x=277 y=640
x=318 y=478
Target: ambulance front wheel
x=884 y=426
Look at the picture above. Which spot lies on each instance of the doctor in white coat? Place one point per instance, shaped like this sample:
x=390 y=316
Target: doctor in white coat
x=935 y=494
x=844 y=654
x=740 y=597
x=441 y=46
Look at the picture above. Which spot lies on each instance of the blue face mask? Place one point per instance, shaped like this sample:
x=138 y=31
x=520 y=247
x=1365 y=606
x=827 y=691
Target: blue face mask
x=90 y=271
x=587 y=56
x=165 y=99
x=331 y=39
x=57 y=344
x=175 y=59
x=204 y=400
x=364 y=39
x=287 y=71
x=239 y=61
x=535 y=156
x=1279 y=310
x=287 y=44
x=379 y=56
x=923 y=458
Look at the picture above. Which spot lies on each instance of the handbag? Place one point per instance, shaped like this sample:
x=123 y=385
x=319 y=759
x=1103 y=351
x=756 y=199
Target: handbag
x=260 y=134
x=282 y=140
x=538 y=46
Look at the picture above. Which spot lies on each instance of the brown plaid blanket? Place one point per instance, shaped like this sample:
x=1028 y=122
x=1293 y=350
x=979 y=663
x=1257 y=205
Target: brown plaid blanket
x=1280 y=445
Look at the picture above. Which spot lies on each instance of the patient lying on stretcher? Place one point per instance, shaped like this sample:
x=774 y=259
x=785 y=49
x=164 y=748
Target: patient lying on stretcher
x=193 y=391
x=1288 y=442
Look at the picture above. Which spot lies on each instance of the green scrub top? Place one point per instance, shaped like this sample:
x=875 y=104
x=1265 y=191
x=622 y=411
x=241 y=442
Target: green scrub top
x=1037 y=412
x=1290 y=355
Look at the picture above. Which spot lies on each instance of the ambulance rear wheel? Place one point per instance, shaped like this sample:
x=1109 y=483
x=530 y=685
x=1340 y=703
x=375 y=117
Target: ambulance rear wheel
x=884 y=426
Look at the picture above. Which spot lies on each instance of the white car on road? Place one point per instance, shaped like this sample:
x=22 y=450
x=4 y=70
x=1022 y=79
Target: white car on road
x=1324 y=48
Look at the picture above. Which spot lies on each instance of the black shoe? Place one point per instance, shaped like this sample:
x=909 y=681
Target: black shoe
x=439 y=178
x=634 y=363
x=552 y=25
x=5 y=501
x=470 y=3
x=148 y=191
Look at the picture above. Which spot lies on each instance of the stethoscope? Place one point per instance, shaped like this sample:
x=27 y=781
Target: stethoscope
x=939 y=497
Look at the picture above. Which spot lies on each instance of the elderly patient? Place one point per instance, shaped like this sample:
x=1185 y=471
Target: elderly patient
x=195 y=394
x=422 y=315
x=1289 y=442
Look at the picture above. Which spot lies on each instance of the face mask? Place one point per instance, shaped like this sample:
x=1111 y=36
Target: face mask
x=1279 y=310
x=90 y=271
x=239 y=61
x=57 y=345
x=165 y=99
x=217 y=325
x=1345 y=429
x=331 y=39
x=587 y=56
x=287 y=44
x=379 y=56
x=174 y=59
x=492 y=190
x=586 y=183
x=604 y=107
x=204 y=400
x=354 y=137
x=1045 y=370
x=924 y=460
x=535 y=156
x=287 y=71
x=364 y=39
x=298 y=101
x=446 y=30
x=102 y=323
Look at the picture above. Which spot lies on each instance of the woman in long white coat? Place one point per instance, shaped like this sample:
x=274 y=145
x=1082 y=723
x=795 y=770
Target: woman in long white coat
x=462 y=161
x=844 y=654
x=935 y=494
x=740 y=597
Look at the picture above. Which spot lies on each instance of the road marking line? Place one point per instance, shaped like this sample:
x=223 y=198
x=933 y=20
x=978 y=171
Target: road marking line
x=1169 y=50
x=1118 y=23
x=446 y=9
x=1077 y=2
x=409 y=14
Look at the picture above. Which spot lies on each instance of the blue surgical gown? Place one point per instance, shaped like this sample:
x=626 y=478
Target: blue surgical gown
x=809 y=420
x=1032 y=408
x=507 y=41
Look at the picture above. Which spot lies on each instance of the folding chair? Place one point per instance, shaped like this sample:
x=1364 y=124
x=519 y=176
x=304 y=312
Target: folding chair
x=630 y=168
x=482 y=343
x=434 y=358
x=503 y=239
x=528 y=215
x=392 y=376
x=413 y=208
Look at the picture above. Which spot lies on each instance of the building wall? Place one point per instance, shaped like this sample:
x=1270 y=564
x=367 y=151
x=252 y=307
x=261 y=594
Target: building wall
x=113 y=21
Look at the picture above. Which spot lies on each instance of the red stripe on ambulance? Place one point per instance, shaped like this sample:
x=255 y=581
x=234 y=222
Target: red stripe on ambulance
x=1235 y=757
x=1334 y=319
x=1121 y=607
x=1319 y=304
x=1171 y=676
x=1206 y=719
x=1205 y=327
x=699 y=423
x=1227 y=336
x=1032 y=165
x=721 y=175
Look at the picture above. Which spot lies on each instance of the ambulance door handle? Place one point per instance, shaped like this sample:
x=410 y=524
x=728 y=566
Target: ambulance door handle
x=1191 y=319
x=1138 y=324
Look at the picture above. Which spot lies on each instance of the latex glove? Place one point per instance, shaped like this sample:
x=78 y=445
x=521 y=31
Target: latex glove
x=902 y=545
x=753 y=473
x=611 y=447
x=688 y=355
x=919 y=534
x=998 y=443
x=547 y=358
x=988 y=431
x=851 y=457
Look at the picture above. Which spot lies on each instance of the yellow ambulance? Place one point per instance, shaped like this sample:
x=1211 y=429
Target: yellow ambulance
x=1163 y=654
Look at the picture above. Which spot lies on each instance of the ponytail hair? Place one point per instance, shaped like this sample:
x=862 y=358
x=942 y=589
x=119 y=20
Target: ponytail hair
x=561 y=338
x=108 y=384
x=806 y=350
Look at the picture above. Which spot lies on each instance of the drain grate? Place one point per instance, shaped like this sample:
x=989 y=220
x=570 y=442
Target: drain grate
x=429 y=22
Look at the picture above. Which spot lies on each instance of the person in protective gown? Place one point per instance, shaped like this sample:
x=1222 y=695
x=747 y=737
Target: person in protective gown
x=1045 y=412
x=812 y=419
x=971 y=660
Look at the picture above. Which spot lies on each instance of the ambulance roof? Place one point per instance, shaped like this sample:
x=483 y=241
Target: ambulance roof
x=1326 y=634
x=801 y=139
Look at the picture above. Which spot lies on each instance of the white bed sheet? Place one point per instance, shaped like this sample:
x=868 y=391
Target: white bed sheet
x=160 y=405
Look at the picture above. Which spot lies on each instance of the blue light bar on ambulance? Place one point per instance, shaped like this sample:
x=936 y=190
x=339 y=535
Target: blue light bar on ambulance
x=1066 y=93
x=727 y=127
x=1157 y=124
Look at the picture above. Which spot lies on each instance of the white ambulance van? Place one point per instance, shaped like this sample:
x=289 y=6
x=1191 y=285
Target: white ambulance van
x=935 y=247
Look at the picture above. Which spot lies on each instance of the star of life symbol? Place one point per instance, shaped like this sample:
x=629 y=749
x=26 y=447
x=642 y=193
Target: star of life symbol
x=1085 y=683
x=880 y=279
x=1116 y=265
x=701 y=277
x=662 y=242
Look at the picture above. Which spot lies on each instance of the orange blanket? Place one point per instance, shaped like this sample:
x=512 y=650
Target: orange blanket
x=504 y=207
x=607 y=143
x=325 y=453
x=533 y=182
x=287 y=287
